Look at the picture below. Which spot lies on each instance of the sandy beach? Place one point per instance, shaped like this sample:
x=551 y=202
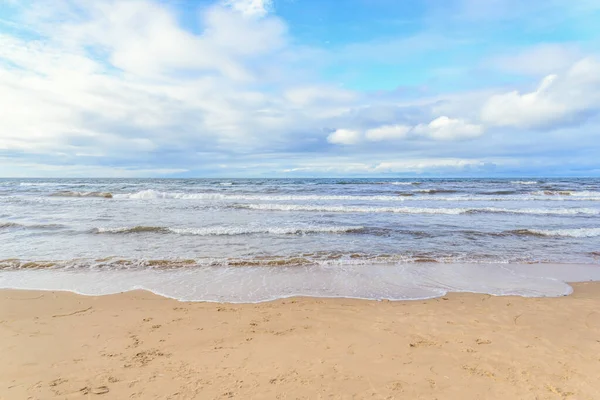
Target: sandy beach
x=138 y=345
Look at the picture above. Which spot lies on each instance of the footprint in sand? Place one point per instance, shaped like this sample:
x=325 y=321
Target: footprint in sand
x=96 y=390
x=424 y=342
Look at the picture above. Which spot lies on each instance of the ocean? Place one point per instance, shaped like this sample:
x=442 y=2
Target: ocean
x=251 y=240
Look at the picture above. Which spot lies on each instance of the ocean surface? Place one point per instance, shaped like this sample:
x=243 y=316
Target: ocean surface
x=247 y=240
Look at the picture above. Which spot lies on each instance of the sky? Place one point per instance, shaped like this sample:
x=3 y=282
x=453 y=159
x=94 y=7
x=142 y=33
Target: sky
x=299 y=88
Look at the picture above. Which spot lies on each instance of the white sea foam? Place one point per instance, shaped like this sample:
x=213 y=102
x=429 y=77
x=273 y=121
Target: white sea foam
x=352 y=209
x=402 y=183
x=153 y=194
x=40 y=184
x=234 y=231
x=418 y=210
x=574 y=233
x=259 y=284
x=67 y=183
x=525 y=182
x=585 y=193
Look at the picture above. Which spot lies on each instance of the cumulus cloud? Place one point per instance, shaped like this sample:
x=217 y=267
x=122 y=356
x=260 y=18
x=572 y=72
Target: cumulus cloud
x=345 y=137
x=110 y=78
x=440 y=129
x=444 y=128
x=559 y=100
x=253 y=8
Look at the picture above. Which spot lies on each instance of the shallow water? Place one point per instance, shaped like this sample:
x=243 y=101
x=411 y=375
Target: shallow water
x=212 y=239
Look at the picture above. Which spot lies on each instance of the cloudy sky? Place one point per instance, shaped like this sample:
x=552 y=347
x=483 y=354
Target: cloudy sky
x=289 y=88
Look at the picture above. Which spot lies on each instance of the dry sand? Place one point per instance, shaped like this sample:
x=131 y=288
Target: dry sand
x=141 y=346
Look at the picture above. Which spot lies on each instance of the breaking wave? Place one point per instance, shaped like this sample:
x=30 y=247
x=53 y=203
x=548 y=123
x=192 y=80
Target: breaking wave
x=7 y=225
x=574 y=233
x=417 y=210
x=499 y=192
x=106 y=195
x=323 y=258
x=524 y=182
x=233 y=231
x=153 y=194
x=33 y=184
x=436 y=191
x=583 y=194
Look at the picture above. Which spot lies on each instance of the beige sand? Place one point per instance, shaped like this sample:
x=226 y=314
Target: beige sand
x=138 y=345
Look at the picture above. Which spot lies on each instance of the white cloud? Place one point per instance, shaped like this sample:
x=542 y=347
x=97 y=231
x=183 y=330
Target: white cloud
x=388 y=132
x=559 y=100
x=126 y=83
x=13 y=169
x=407 y=165
x=345 y=136
x=440 y=129
x=444 y=128
x=140 y=38
x=542 y=59
x=116 y=77
x=253 y=8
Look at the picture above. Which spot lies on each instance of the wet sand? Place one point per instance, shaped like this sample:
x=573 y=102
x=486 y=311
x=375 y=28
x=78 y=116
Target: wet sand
x=140 y=346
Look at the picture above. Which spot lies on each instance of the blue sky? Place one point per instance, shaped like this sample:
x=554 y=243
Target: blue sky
x=258 y=88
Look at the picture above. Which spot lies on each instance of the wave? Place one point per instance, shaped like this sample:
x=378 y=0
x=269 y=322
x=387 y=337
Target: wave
x=68 y=193
x=401 y=183
x=416 y=210
x=153 y=194
x=233 y=231
x=400 y=196
x=322 y=258
x=436 y=191
x=41 y=184
x=5 y=225
x=135 y=229
x=70 y=184
x=499 y=192
x=256 y=285
x=350 y=209
x=584 y=194
x=525 y=182
x=574 y=233
x=555 y=193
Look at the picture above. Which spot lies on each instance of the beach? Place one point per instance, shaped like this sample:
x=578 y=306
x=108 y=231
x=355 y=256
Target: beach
x=139 y=345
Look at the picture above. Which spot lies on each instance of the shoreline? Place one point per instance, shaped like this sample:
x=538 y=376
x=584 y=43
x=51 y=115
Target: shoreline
x=140 y=345
x=256 y=285
x=290 y=297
